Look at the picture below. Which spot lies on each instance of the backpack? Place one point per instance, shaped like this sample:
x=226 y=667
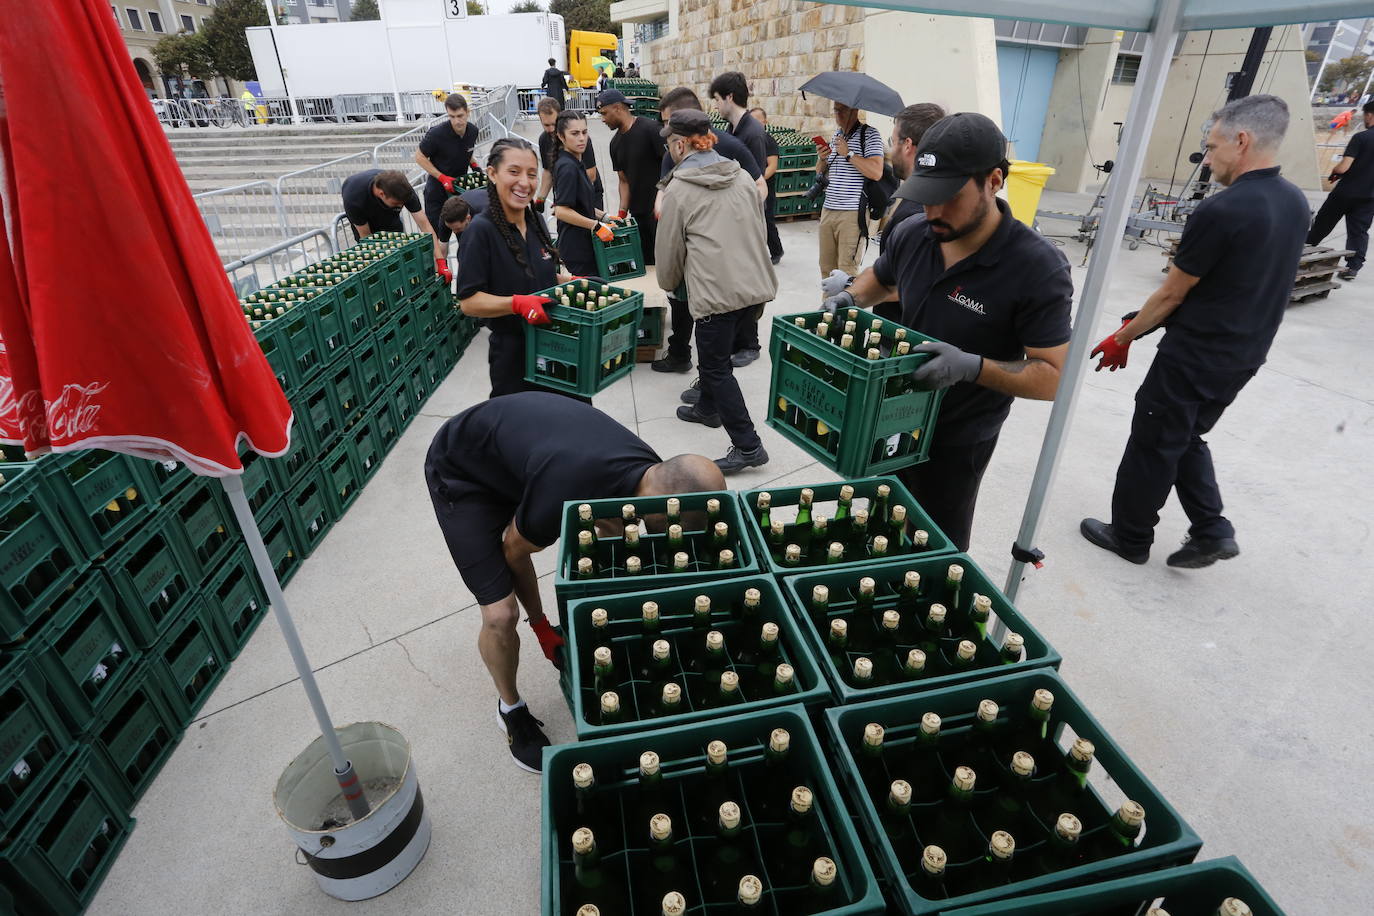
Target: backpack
x=877 y=192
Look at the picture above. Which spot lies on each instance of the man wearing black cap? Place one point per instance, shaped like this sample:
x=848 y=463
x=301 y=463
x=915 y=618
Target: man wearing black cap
x=993 y=293
x=636 y=151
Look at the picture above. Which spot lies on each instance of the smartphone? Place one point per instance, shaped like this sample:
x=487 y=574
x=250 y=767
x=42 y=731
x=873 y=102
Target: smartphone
x=821 y=142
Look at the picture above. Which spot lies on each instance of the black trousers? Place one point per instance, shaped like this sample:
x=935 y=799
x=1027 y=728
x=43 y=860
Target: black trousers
x=774 y=241
x=1357 y=212
x=747 y=330
x=648 y=232
x=946 y=485
x=720 y=392
x=1175 y=406
x=680 y=329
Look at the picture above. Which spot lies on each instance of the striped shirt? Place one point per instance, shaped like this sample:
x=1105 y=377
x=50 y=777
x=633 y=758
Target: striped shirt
x=846 y=182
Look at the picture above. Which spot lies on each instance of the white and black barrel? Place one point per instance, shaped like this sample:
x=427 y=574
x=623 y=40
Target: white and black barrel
x=356 y=859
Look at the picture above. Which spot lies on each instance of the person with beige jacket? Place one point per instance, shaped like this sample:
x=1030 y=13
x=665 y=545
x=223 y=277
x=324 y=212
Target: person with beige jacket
x=712 y=237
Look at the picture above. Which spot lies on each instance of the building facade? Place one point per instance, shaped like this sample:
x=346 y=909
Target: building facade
x=145 y=22
x=309 y=12
x=1328 y=42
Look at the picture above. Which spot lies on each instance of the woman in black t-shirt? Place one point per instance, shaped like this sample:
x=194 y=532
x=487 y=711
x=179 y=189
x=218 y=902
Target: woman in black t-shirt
x=507 y=256
x=574 y=198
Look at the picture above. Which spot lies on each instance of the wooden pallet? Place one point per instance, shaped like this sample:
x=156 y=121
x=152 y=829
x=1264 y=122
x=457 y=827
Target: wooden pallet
x=1312 y=291
x=793 y=217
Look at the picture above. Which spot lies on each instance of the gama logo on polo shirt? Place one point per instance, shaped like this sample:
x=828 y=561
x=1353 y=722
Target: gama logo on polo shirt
x=973 y=305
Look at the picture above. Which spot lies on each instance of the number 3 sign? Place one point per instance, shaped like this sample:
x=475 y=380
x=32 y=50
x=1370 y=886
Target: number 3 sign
x=455 y=9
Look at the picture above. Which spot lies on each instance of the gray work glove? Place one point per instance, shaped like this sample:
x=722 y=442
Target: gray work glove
x=836 y=283
x=841 y=300
x=948 y=365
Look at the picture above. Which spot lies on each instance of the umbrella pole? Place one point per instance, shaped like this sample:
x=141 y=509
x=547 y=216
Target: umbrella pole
x=1140 y=118
x=349 y=783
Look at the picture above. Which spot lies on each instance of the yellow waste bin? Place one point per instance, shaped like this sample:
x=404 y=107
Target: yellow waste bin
x=1024 y=184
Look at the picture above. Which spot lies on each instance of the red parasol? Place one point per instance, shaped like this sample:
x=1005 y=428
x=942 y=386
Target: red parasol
x=120 y=329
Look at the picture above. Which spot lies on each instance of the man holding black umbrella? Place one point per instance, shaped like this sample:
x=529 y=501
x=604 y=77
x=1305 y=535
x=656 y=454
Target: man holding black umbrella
x=854 y=153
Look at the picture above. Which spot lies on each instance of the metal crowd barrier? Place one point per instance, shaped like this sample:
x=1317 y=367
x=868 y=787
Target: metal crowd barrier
x=310 y=196
x=240 y=217
x=262 y=268
x=527 y=101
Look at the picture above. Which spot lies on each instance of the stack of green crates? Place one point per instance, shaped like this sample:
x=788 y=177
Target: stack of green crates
x=127 y=589
x=796 y=174
x=641 y=94
x=589 y=343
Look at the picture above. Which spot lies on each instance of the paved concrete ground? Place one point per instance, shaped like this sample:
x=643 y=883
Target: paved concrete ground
x=1241 y=690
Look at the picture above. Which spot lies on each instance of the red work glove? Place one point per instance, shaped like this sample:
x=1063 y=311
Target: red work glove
x=474 y=166
x=549 y=641
x=447 y=183
x=530 y=308
x=539 y=205
x=441 y=268
x=1113 y=354
x=622 y=214
x=604 y=232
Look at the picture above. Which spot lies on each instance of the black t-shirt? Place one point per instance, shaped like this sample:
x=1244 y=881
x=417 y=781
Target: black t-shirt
x=751 y=133
x=476 y=200
x=770 y=149
x=1358 y=181
x=1243 y=244
x=541 y=450
x=904 y=210
x=363 y=208
x=635 y=152
x=572 y=189
x=1014 y=292
x=486 y=265
x=729 y=147
x=449 y=152
x=546 y=157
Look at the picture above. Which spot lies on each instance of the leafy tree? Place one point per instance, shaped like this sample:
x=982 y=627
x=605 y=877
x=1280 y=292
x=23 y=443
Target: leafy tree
x=475 y=8
x=225 y=40
x=173 y=52
x=364 y=9
x=1347 y=75
x=584 y=15
x=527 y=6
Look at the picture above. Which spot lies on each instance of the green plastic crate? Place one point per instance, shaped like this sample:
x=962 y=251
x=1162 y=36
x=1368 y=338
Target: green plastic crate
x=279 y=535
x=1166 y=839
x=856 y=416
x=375 y=293
x=402 y=399
x=237 y=599
x=299 y=458
x=275 y=343
x=367 y=359
x=104 y=496
x=349 y=393
x=426 y=302
x=169 y=477
x=675 y=616
x=135 y=733
x=797 y=157
x=391 y=349
x=784 y=501
x=416 y=377
x=330 y=330
x=86 y=652
x=651 y=328
x=207 y=522
x=317 y=406
x=190 y=660
x=843 y=585
x=408 y=328
x=387 y=429
x=154 y=579
x=303 y=339
x=395 y=276
x=1188 y=890
x=366 y=445
x=56 y=861
x=348 y=292
x=622 y=258
x=759 y=790
x=259 y=480
x=34 y=744
x=311 y=510
x=39 y=555
x=568 y=587
x=417 y=260
x=796 y=180
x=343 y=475
x=579 y=351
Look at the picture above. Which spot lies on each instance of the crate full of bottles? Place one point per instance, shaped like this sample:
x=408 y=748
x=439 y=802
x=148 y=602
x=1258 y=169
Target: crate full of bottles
x=670 y=656
x=997 y=789
x=622 y=258
x=634 y=88
x=589 y=342
x=1219 y=887
x=840 y=524
x=471 y=180
x=735 y=815
x=913 y=625
x=613 y=546
x=842 y=390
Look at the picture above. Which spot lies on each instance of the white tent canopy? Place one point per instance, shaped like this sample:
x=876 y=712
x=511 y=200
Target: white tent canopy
x=1162 y=21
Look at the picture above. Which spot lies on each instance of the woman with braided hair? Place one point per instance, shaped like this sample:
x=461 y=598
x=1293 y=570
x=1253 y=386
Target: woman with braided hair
x=507 y=256
x=574 y=197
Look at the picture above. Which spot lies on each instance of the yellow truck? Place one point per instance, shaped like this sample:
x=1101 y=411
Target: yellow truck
x=586 y=47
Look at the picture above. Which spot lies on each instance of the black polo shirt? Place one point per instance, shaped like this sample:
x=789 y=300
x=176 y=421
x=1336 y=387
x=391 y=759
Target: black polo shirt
x=729 y=147
x=1243 y=244
x=904 y=210
x=546 y=157
x=1358 y=180
x=539 y=450
x=476 y=200
x=770 y=149
x=363 y=208
x=1014 y=292
x=486 y=265
x=635 y=152
x=753 y=135
x=449 y=152
x=572 y=189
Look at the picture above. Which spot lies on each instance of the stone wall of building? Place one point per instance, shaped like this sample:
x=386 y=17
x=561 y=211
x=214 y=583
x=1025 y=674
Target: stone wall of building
x=777 y=44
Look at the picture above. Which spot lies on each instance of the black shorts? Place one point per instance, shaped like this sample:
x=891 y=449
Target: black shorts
x=434 y=205
x=473 y=520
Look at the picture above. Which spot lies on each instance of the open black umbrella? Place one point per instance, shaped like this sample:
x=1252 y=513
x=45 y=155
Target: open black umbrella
x=857 y=90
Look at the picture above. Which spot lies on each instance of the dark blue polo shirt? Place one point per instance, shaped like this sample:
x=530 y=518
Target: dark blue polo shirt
x=1244 y=244
x=449 y=152
x=1014 y=292
x=364 y=209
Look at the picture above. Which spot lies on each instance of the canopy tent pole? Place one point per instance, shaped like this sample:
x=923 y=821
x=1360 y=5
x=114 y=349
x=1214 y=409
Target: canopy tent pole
x=349 y=783
x=1140 y=117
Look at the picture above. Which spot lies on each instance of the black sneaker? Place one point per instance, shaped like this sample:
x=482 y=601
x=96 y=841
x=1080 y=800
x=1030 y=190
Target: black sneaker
x=524 y=734
x=1199 y=552
x=743 y=358
x=693 y=392
x=1347 y=274
x=738 y=460
x=690 y=414
x=776 y=258
x=671 y=363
